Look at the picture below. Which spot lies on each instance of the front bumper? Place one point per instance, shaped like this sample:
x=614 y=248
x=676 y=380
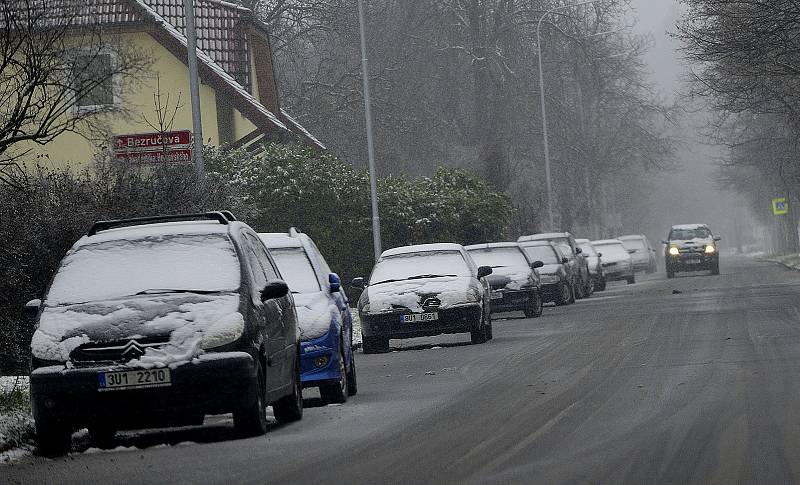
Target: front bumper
x=460 y=319
x=616 y=272
x=214 y=383
x=512 y=300
x=691 y=261
x=316 y=351
x=552 y=292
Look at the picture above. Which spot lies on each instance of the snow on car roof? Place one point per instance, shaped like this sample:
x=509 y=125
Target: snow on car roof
x=418 y=248
x=582 y=241
x=606 y=242
x=279 y=240
x=157 y=229
x=689 y=226
x=543 y=236
x=630 y=237
x=475 y=247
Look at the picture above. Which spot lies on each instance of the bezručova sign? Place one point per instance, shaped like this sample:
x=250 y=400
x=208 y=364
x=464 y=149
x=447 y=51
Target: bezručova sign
x=154 y=148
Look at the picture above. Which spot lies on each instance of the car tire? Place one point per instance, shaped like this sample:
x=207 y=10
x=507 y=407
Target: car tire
x=251 y=420
x=670 y=273
x=535 y=307
x=715 y=268
x=631 y=279
x=481 y=335
x=352 y=378
x=578 y=291
x=601 y=284
x=489 y=332
x=375 y=345
x=335 y=392
x=565 y=296
x=102 y=436
x=53 y=439
x=290 y=408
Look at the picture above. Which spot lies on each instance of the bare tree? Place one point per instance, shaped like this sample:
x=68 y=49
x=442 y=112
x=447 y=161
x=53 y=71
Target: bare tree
x=60 y=71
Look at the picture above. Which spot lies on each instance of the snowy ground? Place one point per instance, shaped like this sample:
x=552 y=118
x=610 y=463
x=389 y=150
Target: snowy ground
x=356 y=327
x=790 y=260
x=16 y=422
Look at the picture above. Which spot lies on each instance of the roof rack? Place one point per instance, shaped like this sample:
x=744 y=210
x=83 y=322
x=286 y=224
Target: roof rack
x=228 y=215
x=293 y=232
x=111 y=224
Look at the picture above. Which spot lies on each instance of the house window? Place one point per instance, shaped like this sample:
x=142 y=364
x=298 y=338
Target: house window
x=93 y=80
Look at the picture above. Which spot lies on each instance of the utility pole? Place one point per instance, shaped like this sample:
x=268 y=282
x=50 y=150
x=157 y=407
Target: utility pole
x=373 y=184
x=194 y=86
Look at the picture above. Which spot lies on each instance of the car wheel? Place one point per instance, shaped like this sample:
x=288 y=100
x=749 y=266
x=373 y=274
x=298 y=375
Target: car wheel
x=102 y=436
x=375 y=345
x=53 y=439
x=715 y=268
x=251 y=420
x=602 y=284
x=631 y=279
x=535 y=306
x=670 y=273
x=352 y=379
x=578 y=291
x=480 y=336
x=335 y=392
x=565 y=296
x=290 y=408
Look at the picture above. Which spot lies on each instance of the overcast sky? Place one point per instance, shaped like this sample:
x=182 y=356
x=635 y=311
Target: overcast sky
x=656 y=18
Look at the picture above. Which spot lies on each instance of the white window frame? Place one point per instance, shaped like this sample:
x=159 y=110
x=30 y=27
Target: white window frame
x=116 y=83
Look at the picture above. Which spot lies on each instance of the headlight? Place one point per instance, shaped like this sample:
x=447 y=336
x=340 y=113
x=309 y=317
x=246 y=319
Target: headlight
x=549 y=279
x=365 y=308
x=674 y=251
x=710 y=249
x=224 y=331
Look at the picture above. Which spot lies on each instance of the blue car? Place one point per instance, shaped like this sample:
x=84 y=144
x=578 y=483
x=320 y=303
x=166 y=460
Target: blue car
x=325 y=325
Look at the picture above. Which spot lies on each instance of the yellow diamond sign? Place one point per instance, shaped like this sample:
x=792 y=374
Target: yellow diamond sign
x=780 y=206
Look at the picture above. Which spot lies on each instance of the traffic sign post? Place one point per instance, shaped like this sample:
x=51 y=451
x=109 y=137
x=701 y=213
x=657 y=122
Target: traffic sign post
x=780 y=206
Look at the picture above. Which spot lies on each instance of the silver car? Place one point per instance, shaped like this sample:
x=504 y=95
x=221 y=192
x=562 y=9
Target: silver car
x=616 y=259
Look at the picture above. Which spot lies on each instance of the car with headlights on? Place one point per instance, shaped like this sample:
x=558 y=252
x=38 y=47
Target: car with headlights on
x=691 y=247
x=514 y=281
x=424 y=290
x=557 y=281
x=158 y=321
x=643 y=254
x=593 y=261
x=616 y=260
x=577 y=262
x=324 y=322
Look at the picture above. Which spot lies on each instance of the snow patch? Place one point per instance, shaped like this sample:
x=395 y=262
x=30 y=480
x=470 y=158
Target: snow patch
x=449 y=290
x=315 y=312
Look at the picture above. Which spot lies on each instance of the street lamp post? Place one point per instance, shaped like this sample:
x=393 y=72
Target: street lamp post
x=194 y=85
x=544 y=109
x=373 y=184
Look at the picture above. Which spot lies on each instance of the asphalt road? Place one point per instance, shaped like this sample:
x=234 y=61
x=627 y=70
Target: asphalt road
x=692 y=380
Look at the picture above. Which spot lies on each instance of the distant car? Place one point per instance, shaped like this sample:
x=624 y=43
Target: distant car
x=424 y=290
x=325 y=325
x=691 y=247
x=643 y=255
x=558 y=284
x=595 y=266
x=584 y=286
x=514 y=280
x=157 y=321
x=616 y=260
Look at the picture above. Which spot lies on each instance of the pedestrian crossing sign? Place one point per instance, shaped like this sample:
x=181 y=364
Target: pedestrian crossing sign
x=780 y=206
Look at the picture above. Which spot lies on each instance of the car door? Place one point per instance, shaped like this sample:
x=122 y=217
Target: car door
x=260 y=313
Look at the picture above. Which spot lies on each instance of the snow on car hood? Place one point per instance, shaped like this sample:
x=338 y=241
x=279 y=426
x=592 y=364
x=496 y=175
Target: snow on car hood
x=519 y=276
x=187 y=319
x=689 y=243
x=315 y=311
x=450 y=290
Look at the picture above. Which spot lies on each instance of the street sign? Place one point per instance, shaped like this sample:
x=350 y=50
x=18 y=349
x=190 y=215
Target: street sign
x=780 y=206
x=153 y=148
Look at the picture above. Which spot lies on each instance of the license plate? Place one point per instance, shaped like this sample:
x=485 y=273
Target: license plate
x=133 y=379
x=692 y=261
x=497 y=295
x=419 y=317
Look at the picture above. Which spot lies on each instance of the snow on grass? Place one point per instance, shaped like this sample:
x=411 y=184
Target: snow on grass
x=16 y=421
x=789 y=260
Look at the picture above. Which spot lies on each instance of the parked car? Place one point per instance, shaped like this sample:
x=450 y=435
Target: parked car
x=583 y=285
x=158 y=321
x=593 y=261
x=324 y=322
x=616 y=260
x=691 y=247
x=423 y=290
x=643 y=255
x=558 y=284
x=514 y=282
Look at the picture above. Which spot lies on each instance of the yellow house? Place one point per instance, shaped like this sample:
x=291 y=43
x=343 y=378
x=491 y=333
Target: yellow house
x=240 y=103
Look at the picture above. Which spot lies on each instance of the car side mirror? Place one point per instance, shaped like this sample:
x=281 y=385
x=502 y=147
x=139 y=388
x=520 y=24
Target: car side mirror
x=484 y=271
x=31 y=309
x=665 y=242
x=564 y=260
x=631 y=251
x=537 y=265
x=334 y=282
x=274 y=289
x=717 y=238
x=578 y=250
x=599 y=255
x=358 y=283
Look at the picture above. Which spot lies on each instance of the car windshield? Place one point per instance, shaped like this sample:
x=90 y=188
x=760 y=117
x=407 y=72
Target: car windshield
x=499 y=257
x=636 y=244
x=613 y=252
x=423 y=264
x=296 y=269
x=545 y=254
x=684 y=234
x=588 y=250
x=202 y=263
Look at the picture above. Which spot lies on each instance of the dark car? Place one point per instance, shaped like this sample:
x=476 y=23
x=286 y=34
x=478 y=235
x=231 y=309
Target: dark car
x=158 y=321
x=423 y=290
x=557 y=281
x=324 y=321
x=514 y=280
x=691 y=247
x=584 y=286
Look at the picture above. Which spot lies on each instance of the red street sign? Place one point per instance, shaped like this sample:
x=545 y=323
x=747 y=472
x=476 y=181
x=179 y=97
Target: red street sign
x=174 y=155
x=152 y=141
